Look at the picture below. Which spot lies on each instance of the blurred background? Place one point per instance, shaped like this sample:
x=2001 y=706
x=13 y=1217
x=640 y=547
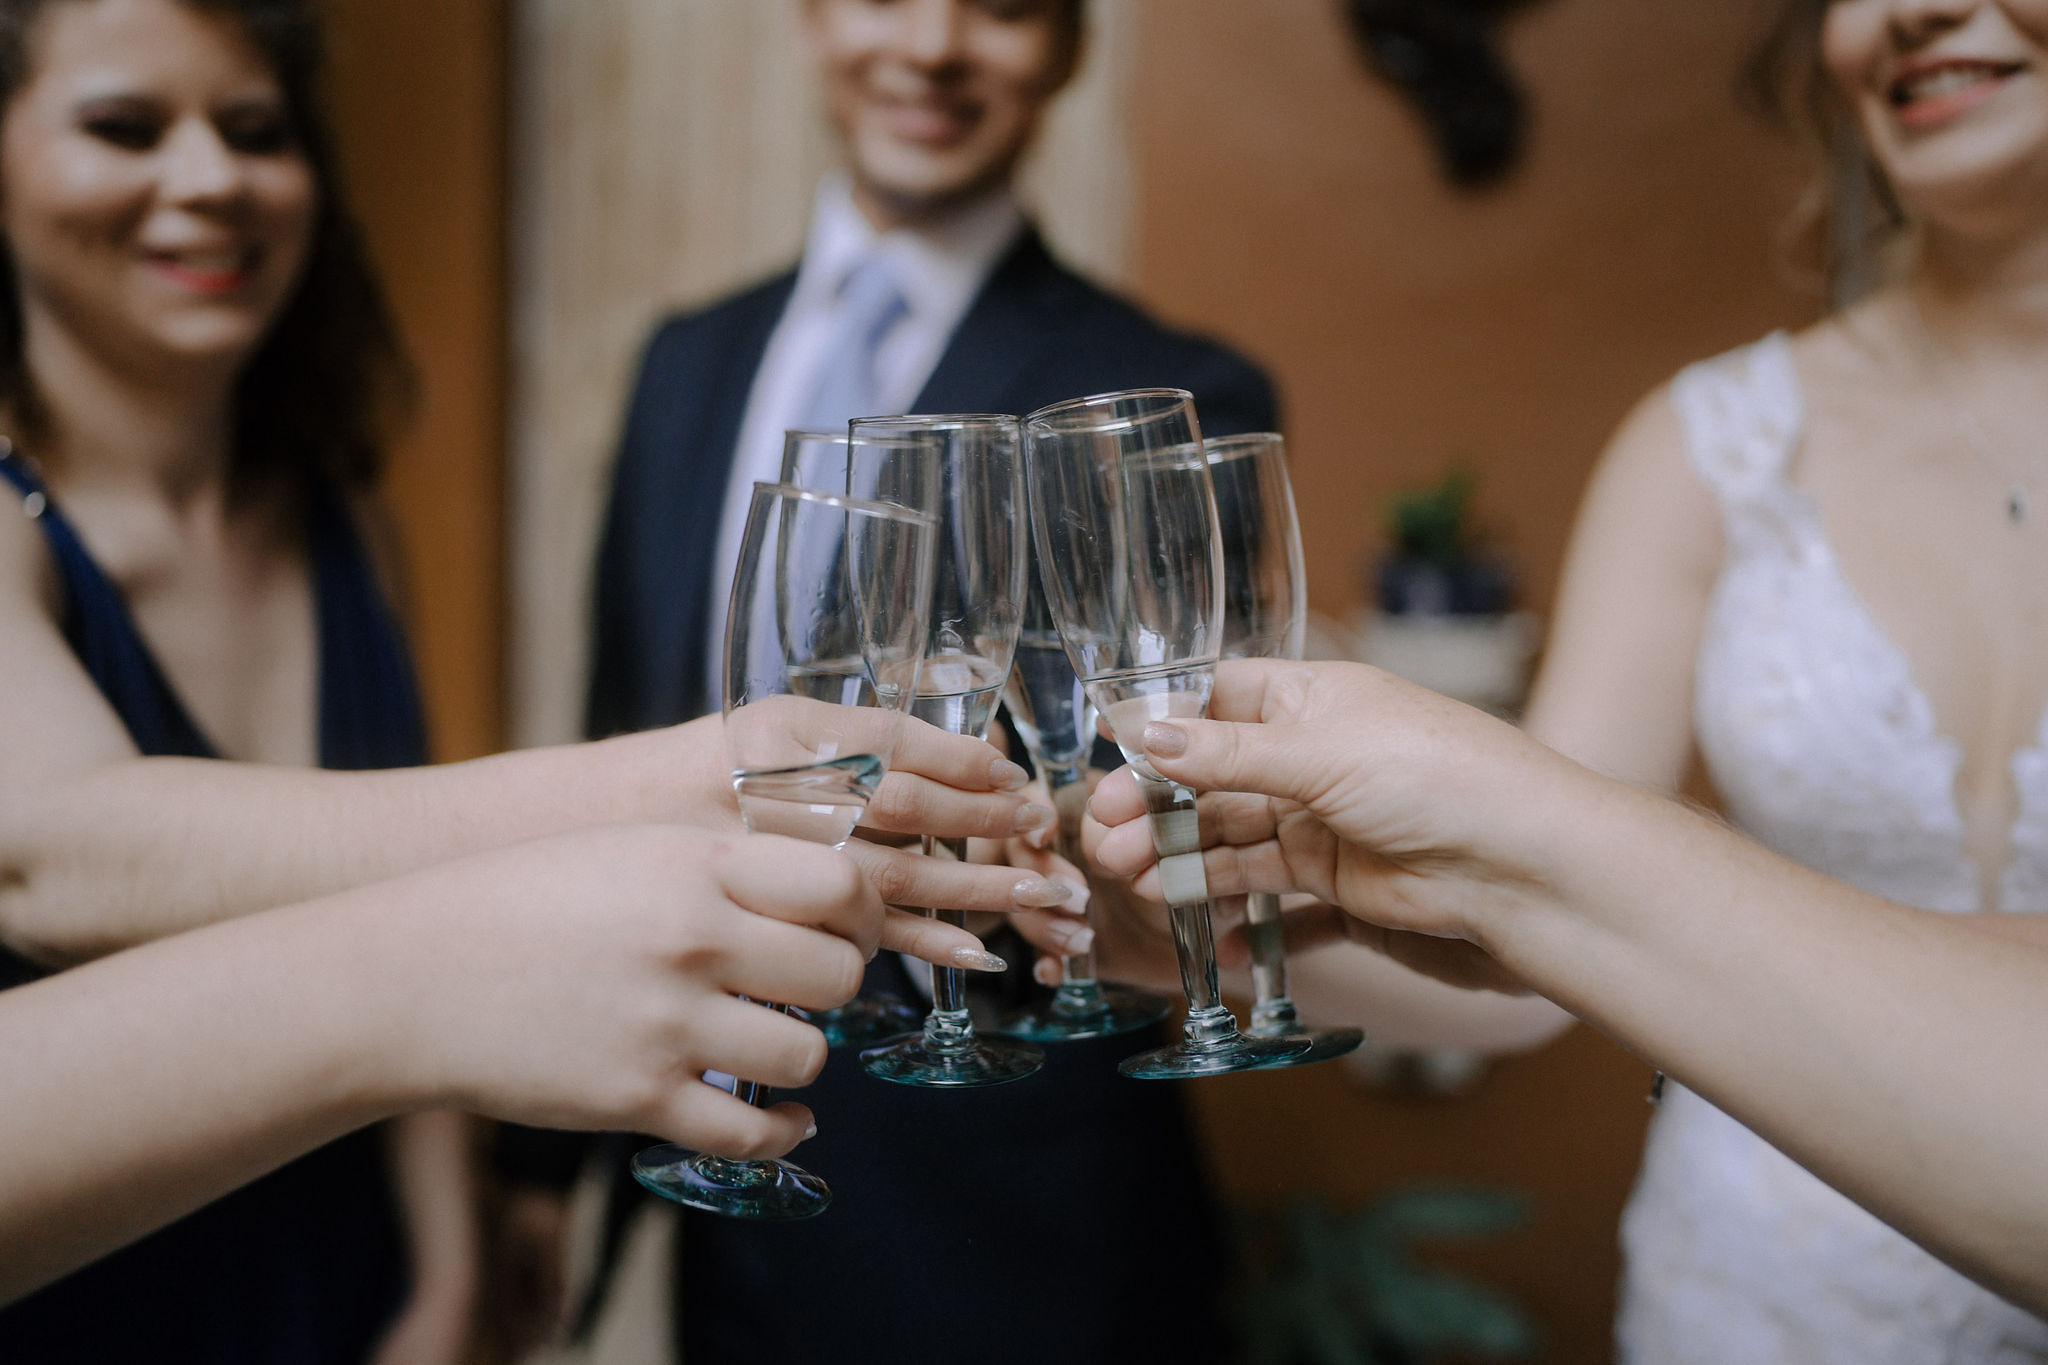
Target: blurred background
x=543 y=179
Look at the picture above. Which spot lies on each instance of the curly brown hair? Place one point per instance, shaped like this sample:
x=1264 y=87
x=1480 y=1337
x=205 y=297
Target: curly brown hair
x=321 y=392
x=1850 y=222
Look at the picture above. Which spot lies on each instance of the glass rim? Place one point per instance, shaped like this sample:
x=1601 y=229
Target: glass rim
x=895 y=511
x=1240 y=445
x=811 y=434
x=938 y=421
x=1053 y=413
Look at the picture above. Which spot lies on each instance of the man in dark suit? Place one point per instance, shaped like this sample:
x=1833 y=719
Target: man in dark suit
x=1062 y=1217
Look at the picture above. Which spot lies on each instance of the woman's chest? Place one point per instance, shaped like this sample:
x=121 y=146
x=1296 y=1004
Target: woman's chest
x=1871 y=682
x=232 y=625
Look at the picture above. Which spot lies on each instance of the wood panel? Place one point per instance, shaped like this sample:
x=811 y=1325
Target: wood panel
x=418 y=92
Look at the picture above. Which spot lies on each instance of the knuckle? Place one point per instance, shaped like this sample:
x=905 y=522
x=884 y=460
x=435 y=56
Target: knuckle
x=892 y=877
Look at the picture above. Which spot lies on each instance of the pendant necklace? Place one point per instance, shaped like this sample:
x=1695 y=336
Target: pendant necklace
x=2019 y=487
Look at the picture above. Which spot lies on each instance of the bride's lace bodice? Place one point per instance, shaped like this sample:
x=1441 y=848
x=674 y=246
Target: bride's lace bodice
x=1823 y=748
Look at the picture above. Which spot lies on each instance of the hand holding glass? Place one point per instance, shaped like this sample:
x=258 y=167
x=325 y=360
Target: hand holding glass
x=1264 y=611
x=971 y=482
x=1123 y=516
x=821 y=658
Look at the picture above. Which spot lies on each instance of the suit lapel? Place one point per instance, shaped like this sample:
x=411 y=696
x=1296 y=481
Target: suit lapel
x=708 y=438
x=1006 y=329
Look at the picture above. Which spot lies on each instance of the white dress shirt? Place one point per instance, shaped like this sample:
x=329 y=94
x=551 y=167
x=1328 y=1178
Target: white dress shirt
x=940 y=266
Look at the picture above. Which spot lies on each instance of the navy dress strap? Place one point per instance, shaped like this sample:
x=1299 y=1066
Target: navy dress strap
x=102 y=634
x=307 y=1265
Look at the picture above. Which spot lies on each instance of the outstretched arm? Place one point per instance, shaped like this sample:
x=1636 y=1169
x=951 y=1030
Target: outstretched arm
x=1886 y=1049
x=583 y=981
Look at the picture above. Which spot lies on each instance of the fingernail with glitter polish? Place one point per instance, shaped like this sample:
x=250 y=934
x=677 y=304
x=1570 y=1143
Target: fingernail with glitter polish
x=1165 y=741
x=1034 y=816
x=975 y=960
x=1040 y=893
x=1007 y=776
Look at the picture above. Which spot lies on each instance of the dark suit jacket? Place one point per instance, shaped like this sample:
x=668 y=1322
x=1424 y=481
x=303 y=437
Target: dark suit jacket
x=1062 y=1217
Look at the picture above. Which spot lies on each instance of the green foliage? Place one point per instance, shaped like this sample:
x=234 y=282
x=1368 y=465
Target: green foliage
x=1328 y=1287
x=1433 y=523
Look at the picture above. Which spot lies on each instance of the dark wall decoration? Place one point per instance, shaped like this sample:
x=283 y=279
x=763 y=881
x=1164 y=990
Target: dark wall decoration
x=1445 y=56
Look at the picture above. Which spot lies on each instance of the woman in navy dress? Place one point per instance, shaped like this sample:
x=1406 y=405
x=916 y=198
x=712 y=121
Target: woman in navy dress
x=192 y=352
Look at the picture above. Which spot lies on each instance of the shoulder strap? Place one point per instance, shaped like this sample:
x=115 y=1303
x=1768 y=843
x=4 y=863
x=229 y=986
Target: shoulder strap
x=1743 y=416
x=101 y=632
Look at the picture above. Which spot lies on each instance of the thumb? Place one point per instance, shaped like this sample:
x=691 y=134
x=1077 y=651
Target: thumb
x=1284 y=761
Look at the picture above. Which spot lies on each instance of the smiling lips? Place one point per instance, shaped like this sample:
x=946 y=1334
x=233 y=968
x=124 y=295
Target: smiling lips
x=211 y=274
x=1932 y=93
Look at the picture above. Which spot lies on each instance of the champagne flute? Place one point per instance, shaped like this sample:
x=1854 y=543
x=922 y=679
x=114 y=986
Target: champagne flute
x=818 y=460
x=811 y=729
x=1264 y=612
x=1052 y=712
x=1123 y=515
x=973 y=484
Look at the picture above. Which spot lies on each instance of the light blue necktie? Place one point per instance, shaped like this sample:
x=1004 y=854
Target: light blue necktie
x=844 y=385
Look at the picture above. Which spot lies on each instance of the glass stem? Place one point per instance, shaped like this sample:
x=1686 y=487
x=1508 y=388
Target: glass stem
x=1078 y=991
x=1274 y=1010
x=948 y=1027
x=1176 y=838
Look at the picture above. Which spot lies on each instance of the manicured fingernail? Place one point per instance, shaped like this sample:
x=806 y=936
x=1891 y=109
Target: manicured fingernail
x=1007 y=776
x=1077 y=937
x=1038 y=893
x=1033 y=816
x=811 y=1131
x=1046 y=971
x=1165 y=741
x=975 y=960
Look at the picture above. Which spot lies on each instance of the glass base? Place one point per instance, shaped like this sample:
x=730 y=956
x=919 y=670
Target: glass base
x=916 y=1060
x=1066 y=1019
x=1324 y=1044
x=1185 y=1061
x=764 y=1191
x=865 y=1020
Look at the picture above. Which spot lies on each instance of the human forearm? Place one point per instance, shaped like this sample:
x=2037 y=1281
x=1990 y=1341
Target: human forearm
x=1876 y=1045
x=582 y=981
x=137 y=1062
x=433 y=1170
x=1885 y=1048
x=1348 y=983
x=131 y=851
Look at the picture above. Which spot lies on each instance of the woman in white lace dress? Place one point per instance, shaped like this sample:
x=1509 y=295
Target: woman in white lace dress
x=1822 y=561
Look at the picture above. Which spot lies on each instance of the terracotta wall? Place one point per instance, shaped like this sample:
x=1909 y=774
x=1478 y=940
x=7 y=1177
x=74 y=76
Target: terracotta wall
x=418 y=93
x=1291 y=203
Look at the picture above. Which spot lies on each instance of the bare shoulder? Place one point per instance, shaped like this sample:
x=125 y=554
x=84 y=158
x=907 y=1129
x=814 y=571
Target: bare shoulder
x=1646 y=481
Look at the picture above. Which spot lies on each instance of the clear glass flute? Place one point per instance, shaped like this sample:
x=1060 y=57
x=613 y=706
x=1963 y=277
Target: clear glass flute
x=1123 y=516
x=817 y=460
x=972 y=483
x=1052 y=712
x=813 y=714
x=1265 y=607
